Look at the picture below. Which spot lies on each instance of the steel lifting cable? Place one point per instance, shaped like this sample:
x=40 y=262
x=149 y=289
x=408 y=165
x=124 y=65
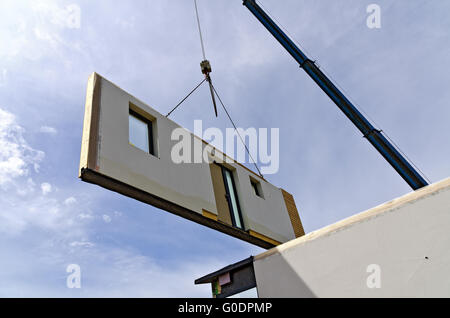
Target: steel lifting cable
x=199 y=30
x=207 y=78
x=206 y=69
x=237 y=131
x=181 y=102
x=205 y=65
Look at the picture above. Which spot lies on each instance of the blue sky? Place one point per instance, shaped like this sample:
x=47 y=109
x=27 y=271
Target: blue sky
x=50 y=219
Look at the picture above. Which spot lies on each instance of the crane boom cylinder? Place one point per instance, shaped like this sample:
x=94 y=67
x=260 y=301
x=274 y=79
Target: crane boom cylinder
x=374 y=136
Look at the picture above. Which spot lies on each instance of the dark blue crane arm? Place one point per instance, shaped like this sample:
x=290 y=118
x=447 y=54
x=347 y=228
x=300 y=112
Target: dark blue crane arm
x=374 y=136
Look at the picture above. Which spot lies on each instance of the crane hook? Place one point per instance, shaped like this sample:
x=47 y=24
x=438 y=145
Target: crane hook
x=206 y=69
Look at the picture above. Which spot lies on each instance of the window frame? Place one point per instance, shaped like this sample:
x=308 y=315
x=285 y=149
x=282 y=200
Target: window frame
x=230 y=206
x=256 y=186
x=149 y=124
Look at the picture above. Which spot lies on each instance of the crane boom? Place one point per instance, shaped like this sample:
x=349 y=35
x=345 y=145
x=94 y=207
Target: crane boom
x=374 y=136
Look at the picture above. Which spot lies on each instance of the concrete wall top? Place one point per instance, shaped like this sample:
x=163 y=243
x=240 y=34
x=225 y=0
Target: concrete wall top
x=398 y=249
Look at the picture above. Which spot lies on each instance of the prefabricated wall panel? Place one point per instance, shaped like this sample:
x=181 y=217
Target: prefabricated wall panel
x=398 y=249
x=192 y=190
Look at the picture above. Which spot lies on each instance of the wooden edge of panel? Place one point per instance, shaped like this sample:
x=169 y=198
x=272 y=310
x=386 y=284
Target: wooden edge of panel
x=263 y=237
x=209 y=215
x=109 y=183
x=293 y=213
x=89 y=144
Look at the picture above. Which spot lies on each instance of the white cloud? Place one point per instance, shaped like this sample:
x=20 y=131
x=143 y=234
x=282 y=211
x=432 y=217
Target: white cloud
x=70 y=201
x=67 y=17
x=130 y=274
x=84 y=216
x=46 y=188
x=34 y=29
x=81 y=244
x=106 y=271
x=20 y=204
x=35 y=212
x=26 y=188
x=48 y=130
x=15 y=154
x=106 y=218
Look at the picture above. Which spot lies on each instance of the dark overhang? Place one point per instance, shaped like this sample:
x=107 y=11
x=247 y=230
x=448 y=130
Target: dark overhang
x=232 y=279
x=91 y=176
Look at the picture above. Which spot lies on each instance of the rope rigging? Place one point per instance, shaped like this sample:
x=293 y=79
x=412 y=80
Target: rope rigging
x=199 y=30
x=205 y=65
x=181 y=102
x=237 y=131
x=206 y=70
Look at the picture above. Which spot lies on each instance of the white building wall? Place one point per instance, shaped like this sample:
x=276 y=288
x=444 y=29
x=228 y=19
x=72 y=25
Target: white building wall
x=407 y=239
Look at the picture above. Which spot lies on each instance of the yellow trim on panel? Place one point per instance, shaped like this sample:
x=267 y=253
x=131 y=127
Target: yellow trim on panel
x=263 y=237
x=209 y=215
x=293 y=213
x=89 y=143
